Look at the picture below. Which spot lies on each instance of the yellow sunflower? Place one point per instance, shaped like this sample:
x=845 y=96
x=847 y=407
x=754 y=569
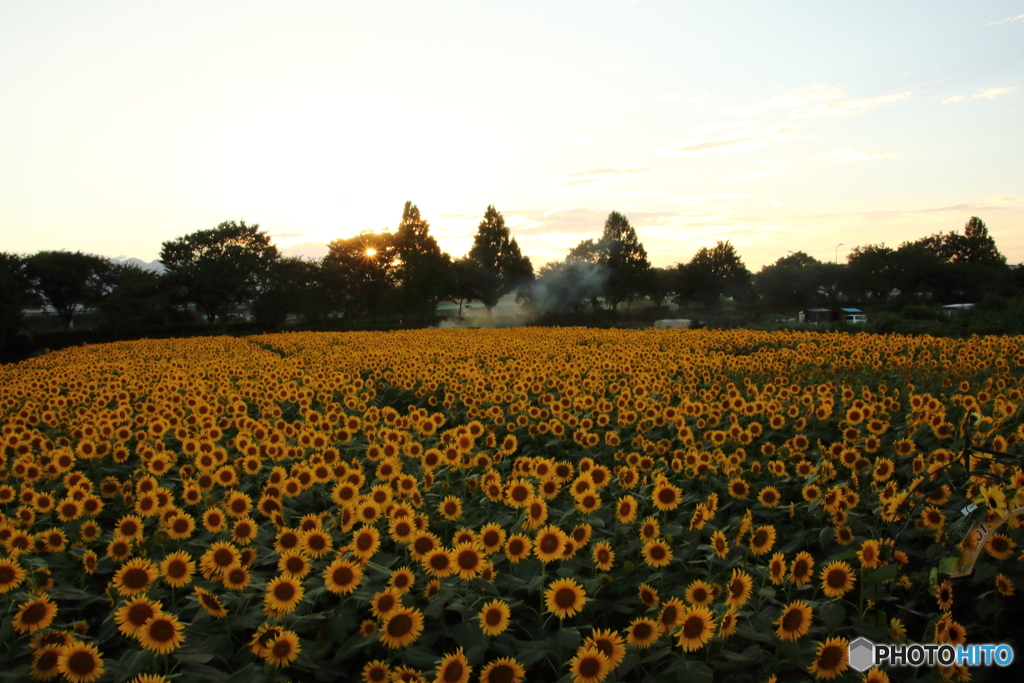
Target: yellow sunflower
x=177 y=569
x=565 y=597
x=402 y=627
x=503 y=670
x=282 y=649
x=494 y=617
x=831 y=659
x=739 y=588
x=283 y=594
x=80 y=662
x=603 y=556
x=696 y=628
x=453 y=668
x=643 y=632
x=836 y=579
x=34 y=614
x=133 y=614
x=589 y=666
x=210 y=603
x=795 y=621
x=161 y=633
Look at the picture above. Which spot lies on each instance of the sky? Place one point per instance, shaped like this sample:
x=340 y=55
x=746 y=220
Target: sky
x=785 y=126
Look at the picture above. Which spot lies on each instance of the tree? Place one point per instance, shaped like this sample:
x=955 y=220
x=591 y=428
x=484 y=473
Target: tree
x=872 y=270
x=138 y=299
x=711 y=274
x=790 y=282
x=68 y=281
x=15 y=294
x=625 y=259
x=501 y=267
x=220 y=268
x=423 y=272
x=287 y=288
x=975 y=246
x=361 y=269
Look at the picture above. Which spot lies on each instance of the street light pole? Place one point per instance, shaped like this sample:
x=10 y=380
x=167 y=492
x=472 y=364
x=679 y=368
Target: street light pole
x=836 y=259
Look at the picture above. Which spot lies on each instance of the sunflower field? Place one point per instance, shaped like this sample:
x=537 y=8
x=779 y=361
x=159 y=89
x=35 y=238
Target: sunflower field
x=509 y=505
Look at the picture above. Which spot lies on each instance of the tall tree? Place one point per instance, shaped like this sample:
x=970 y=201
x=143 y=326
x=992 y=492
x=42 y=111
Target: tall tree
x=790 y=282
x=220 y=268
x=712 y=274
x=625 y=259
x=975 y=246
x=872 y=270
x=15 y=294
x=286 y=289
x=362 y=267
x=138 y=299
x=501 y=267
x=423 y=272
x=68 y=281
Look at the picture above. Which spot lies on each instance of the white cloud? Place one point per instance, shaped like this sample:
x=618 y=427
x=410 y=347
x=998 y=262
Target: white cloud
x=797 y=98
x=580 y=141
x=837 y=109
x=1019 y=17
x=986 y=93
x=603 y=176
x=992 y=93
x=648 y=193
x=726 y=138
x=850 y=154
x=815 y=100
x=679 y=97
x=752 y=176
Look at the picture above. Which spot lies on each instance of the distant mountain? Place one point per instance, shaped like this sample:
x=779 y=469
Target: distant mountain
x=154 y=266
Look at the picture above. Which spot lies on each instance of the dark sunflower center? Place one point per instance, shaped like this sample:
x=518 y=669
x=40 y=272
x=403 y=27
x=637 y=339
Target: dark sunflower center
x=830 y=658
x=34 y=614
x=284 y=591
x=343 y=576
x=493 y=617
x=138 y=614
x=453 y=672
x=399 y=626
x=502 y=673
x=642 y=631
x=590 y=667
x=81 y=663
x=565 y=598
x=693 y=627
x=162 y=631
x=468 y=559
x=793 y=620
x=836 y=578
x=223 y=557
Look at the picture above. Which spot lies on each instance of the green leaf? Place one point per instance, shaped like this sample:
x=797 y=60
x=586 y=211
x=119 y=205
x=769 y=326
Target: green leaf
x=195 y=657
x=468 y=636
x=876 y=576
x=569 y=638
x=832 y=615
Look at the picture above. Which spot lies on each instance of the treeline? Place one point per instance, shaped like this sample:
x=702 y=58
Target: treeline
x=211 y=273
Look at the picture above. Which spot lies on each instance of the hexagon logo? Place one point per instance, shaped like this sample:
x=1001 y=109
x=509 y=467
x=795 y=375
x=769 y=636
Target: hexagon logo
x=862 y=654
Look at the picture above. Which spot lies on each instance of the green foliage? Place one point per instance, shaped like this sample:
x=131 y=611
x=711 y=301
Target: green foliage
x=712 y=274
x=499 y=264
x=423 y=272
x=220 y=268
x=68 y=281
x=625 y=259
x=15 y=293
x=138 y=299
x=359 y=270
